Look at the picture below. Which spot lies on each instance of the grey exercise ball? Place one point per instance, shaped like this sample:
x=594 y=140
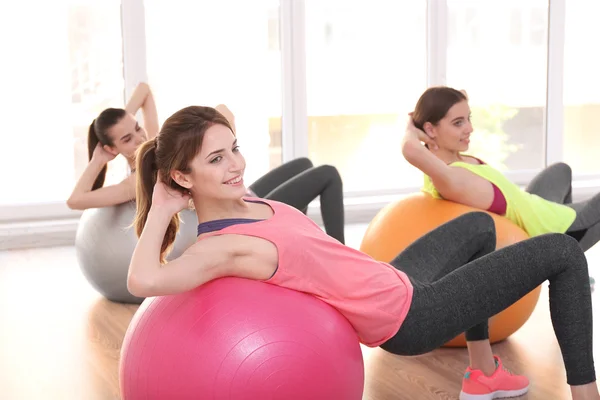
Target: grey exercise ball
x=105 y=241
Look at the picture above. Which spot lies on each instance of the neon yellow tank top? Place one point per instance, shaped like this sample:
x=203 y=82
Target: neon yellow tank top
x=533 y=214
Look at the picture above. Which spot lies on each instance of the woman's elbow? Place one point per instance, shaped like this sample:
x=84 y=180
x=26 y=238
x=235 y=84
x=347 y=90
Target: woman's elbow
x=139 y=287
x=410 y=152
x=406 y=150
x=74 y=204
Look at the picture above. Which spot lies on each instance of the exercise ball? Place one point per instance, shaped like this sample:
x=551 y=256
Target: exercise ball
x=241 y=339
x=105 y=241
x=402 y=222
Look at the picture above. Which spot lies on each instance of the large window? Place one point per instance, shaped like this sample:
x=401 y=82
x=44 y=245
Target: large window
x=366 y=67
x=581 y=138
x=62 y=64
x=497 y=51
x=363 y=65
x=208 y=52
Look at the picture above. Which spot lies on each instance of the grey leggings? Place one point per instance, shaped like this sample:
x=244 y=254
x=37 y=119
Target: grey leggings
x=297 y=183
x=554 y=184
x=460 y=282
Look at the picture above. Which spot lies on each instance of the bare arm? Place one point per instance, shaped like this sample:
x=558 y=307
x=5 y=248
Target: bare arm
x=143 y=98
x=223 y=109
x=104 y=197
x=208 y=259
x=83 y=197
x=445 y=178
x=453 y=183
x=418 y=156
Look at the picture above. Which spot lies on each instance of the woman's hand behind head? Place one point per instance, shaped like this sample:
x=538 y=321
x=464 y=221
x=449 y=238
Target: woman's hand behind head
x=226 y=112
x=101 y=155
x=169 y=199
x=414 y=133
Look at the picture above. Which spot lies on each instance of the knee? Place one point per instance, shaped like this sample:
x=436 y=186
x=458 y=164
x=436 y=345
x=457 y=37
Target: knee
x=475 y=226
x=573 y=250
x=563 y=168
x=561 y=165
x=481 y=223
x=485 y=227
x=567 y=249
x=330 y=171
x=304 y=162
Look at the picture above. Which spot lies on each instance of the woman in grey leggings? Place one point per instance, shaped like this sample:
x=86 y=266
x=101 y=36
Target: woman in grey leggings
x=297 y=183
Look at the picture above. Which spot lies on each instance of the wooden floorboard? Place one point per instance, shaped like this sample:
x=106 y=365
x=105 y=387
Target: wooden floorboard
x=60 y=340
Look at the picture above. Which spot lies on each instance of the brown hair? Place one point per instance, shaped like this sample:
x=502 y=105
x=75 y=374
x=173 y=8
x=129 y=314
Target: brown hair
x=434 y=103
x=98 y=133
x=176 y=145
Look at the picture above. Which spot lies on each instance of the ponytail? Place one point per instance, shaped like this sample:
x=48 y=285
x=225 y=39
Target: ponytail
x=147 y=174
x=92 y=143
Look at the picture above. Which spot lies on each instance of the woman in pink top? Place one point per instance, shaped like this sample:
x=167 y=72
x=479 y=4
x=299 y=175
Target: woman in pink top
x=449 y=281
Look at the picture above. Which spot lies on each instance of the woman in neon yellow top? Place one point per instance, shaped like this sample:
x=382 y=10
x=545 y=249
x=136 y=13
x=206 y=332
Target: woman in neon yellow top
x=441 y=120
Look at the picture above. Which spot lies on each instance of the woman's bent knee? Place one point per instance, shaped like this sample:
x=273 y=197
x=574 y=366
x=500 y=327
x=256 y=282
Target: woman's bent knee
x=304 y=162
x=564 y=248
x=478 y=223
x=330 y=171
x=564 y=169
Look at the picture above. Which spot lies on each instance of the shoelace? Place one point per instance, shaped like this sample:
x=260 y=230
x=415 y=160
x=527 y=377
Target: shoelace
x=504 y=368
x=508 y=371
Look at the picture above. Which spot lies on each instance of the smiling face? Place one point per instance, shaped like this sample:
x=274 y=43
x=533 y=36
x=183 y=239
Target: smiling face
x=452 y=132
x=217 y=171
x=126 y=136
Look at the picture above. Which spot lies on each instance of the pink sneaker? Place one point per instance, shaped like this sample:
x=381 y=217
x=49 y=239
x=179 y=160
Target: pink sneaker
x=502 y=384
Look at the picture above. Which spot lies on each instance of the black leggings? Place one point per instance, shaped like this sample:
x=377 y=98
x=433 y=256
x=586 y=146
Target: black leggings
x=297 y=183
x=460 y=282
x=554 y=184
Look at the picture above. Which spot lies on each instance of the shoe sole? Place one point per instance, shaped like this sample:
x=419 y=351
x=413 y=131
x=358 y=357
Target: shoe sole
x=499 y=394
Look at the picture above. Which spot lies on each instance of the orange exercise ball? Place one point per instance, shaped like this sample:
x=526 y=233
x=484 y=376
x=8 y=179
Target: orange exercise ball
x=402 y=222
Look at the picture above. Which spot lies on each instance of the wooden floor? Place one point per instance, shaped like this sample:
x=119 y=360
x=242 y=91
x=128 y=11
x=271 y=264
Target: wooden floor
x=60 y=340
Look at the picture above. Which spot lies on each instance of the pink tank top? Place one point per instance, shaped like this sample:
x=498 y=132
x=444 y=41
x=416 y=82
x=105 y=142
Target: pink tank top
x=374 y=296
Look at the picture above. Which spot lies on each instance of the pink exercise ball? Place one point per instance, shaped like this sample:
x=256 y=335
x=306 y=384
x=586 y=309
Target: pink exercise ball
x=240 y=339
